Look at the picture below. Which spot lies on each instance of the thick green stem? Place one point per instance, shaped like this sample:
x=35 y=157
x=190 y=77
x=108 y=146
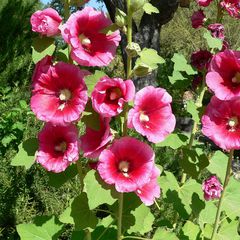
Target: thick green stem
x=120 y=211
x=219 y=209
x=80 y=174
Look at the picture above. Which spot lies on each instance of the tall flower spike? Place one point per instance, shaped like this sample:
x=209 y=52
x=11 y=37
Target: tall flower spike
x=89 y=45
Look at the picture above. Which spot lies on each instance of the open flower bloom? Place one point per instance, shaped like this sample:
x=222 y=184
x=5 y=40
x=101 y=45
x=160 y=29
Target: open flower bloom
x=110 y=94
x=151 y=190
x=60 y=96
x=232 y=7
x=204 y=3
x=201 y=59
x=152 y=114
x=46 y=22
x=221 y=123
x=58 y=147
x=93 y=141
x=127 y=163
x=223 y=77
x=198 y=18
x=212 y=188
x=90 y=46
x=217 y=30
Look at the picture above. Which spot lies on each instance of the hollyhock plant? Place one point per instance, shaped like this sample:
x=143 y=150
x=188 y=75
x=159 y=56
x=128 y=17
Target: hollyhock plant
x=110 y=95
x=232 y=7
x=46 y=22
x=212 y=188
x=150 y=191
x=58 y=147
x=217 y=30
x=89 y=45
x=60 y=96
x=223 y=77
x=197 y=80
x=128 y=164
x=93 y=141
x=201 y=59
x=221 y=123
x=204 y=3
x=152 y=114
x=198 y=18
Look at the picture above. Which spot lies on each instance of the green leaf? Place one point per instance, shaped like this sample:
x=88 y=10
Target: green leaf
x=47 y=230
x=192 y=109
x=150 y=58
x=26 y=153
x=164 y=234
x=231 y=200
x=177 y=76
x=143 y=220
x=149 y=8
x=79 y=213
x=110 y=29
x=78 y=235
x=91 y=80
x=213 y=43
x=58 y=179
x=218 y=165
x=41 y=47
x=207 y=215
x=228 y=231
x=190 y=231
x=95 y=187
x=173 y=141
x=62 y=55
x=181 y=65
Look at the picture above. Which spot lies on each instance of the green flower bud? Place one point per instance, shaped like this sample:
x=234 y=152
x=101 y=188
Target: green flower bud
x=142 y=70
x=133 y=49
x=120 y=18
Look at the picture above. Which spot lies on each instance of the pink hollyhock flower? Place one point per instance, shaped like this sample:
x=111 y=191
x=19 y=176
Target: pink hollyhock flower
x=221 y=123
x=93 y=142
x=217 y=30
x=232 y=7
x=198 y=18
x=127 y=163
x=204 y=3
x=46 y=22
x=151 y=190
x=58 y=147
x=201 y=59
x=110 y=94
x=152 y=114
x=42 y=67
x=60 y=96
x=223 y=77
x=89 y=46
x=212 y=188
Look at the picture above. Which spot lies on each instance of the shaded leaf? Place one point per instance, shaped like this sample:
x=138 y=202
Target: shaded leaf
x=163 y=234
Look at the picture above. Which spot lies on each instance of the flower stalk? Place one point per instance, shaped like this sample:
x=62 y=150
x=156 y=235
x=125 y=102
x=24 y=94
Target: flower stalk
x=226 y=181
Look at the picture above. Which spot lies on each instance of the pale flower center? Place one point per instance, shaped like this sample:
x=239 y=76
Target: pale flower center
x=115 y=94
x=124 y=167
x=65 y=95
x=84 y=40
x=144 y=117
x=62 y=147
x=233 y=122
x=236 y=78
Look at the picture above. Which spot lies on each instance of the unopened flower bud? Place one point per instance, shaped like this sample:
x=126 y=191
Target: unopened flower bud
x=133 y=49
x=137 y=4
x=212 y=188
x=142 y=70
x=120 y=18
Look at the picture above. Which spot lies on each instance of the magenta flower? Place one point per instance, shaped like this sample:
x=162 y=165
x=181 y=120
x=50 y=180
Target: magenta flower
x=201 y=59
x=151 y=190
x=221 y=123
x=198 y=18
x=93 y=141
x=223 y=77
x=197 y=80
x=46 y=22
x=60 y=96
x=89 y=46
x=212 y=188
x=58 y=147
x=152 y=114
x=204 y=3
x=127 y=164
x=110 y=95
x=232 y=7
x=217 y=30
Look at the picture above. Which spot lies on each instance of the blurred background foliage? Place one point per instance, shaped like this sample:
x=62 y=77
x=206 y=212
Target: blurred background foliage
x=25 y=194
